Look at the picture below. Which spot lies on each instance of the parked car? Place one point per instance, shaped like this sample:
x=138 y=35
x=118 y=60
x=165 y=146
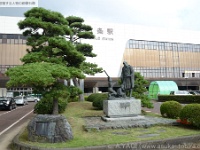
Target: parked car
x=7 y=103
x=194 y=92
x=20 y=100
x=180 y=92
x=32 y=99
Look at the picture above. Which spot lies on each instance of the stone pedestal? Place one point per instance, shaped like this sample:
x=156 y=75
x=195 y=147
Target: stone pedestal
x=122 y=108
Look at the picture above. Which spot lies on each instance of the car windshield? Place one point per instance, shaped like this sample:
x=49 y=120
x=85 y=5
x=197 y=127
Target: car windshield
x=182 y=92
x=18 y=97
x=3 y=98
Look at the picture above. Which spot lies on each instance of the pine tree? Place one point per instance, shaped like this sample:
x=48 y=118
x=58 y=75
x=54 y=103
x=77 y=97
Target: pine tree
x=78 y=31
x=50 y=57
x=139 y=90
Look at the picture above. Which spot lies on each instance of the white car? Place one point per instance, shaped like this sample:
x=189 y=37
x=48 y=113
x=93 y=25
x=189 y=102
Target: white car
x=179 y=92
x=20 y=100
x=32 y=99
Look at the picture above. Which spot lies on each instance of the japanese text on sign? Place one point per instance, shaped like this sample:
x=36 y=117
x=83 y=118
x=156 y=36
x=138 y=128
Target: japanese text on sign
x=18 y=3
x=108 y=31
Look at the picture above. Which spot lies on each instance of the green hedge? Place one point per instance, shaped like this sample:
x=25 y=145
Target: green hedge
x=93 y=96
x=98 y=100
x=170 y=109
x=191 y=113
x=187 y=99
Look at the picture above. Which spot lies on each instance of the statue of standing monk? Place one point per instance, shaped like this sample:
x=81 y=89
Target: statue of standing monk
x=127 y=78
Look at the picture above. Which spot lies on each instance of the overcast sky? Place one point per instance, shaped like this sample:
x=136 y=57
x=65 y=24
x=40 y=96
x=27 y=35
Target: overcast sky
x=175 y=14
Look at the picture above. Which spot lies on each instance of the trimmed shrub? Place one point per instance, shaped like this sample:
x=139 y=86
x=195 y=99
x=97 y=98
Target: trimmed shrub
x=86 y=98
x=93 y=96
x=98 y=100
x=170 y=109
x=45 y=106
x=191 y=113
x=73 y=99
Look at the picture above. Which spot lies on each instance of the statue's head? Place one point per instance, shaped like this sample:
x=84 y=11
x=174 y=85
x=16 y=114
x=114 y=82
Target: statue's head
x=125 y=63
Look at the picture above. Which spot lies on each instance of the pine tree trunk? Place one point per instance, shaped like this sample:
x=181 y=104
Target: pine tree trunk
x=55 y=106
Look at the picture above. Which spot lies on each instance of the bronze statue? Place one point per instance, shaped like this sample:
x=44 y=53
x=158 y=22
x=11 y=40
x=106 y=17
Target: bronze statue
x=111 y=92
x=120 y=92
x=127 y=78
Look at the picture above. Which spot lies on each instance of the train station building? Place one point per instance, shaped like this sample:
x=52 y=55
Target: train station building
x=159 y=54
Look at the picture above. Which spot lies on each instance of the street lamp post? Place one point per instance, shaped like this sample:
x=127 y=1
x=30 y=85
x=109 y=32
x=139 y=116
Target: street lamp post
x=186 y=83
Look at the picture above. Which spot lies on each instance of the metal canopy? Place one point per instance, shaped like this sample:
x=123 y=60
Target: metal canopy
x=162 y=88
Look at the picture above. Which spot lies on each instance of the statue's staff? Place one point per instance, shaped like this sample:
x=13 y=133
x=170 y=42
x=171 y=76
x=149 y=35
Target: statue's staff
x=106 y=73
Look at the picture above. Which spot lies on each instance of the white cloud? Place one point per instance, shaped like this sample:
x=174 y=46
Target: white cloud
x=162 y=13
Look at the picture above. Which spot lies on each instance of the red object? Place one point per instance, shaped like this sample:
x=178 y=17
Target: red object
x=184 y=121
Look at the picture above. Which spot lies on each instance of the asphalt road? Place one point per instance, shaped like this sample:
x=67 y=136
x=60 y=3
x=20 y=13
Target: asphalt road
x=12 y=122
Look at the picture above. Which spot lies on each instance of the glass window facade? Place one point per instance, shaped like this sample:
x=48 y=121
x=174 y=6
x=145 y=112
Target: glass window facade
x=12 y=48
x=157 y=59
x=12 y=39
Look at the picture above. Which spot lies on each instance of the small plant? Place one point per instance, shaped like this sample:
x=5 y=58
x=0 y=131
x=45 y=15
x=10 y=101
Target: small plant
x=170 y=109
x=98 y=100
x=191 y=113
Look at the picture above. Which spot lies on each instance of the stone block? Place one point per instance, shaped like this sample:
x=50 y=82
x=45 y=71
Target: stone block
x=49 y=129
x=122 y=107
x=134 y=118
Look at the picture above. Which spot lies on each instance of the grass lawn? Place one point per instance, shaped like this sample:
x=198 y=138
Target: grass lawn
x=77 y=110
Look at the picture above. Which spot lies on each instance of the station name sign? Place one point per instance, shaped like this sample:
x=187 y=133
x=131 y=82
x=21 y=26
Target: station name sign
x=104 y=34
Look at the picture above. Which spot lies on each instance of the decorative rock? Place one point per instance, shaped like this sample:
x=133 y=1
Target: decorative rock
x=49 y=128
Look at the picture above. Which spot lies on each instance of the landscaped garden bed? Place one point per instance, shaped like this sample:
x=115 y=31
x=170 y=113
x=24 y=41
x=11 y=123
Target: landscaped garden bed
x=77 y=111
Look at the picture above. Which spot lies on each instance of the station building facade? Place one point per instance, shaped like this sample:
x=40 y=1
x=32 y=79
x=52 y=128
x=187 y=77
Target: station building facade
x=158 y=54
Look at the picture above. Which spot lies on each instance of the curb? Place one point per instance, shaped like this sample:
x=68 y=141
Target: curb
x=186 y=142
